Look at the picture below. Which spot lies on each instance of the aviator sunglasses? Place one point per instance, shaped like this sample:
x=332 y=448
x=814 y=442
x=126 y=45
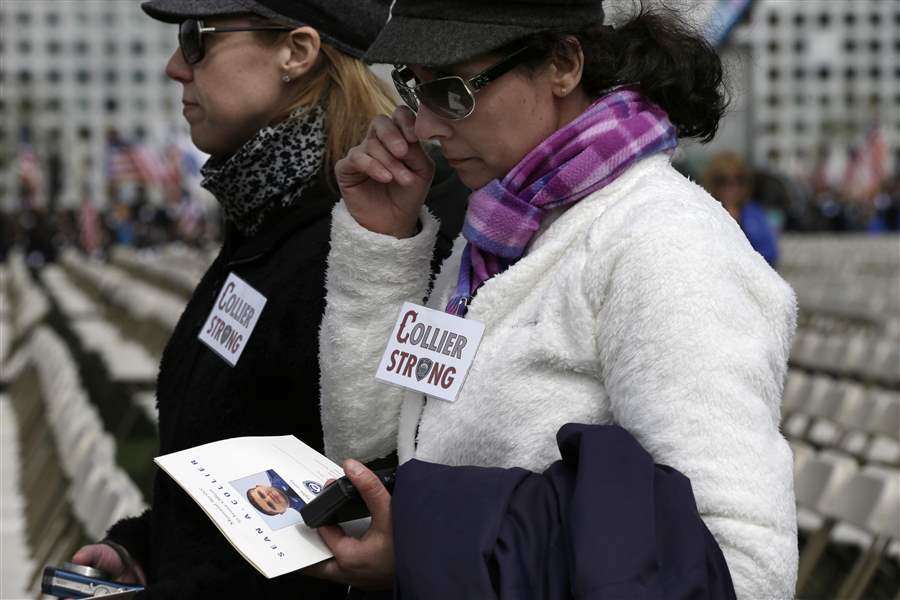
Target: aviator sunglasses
x=191 y=32
x=452 y=97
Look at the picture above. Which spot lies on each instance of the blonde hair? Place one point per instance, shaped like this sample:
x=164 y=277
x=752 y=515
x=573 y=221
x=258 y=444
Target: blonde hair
x=351 y=94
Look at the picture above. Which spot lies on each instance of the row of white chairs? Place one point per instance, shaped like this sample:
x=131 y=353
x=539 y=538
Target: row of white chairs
x=816 y=282
x=848 y=299
x=100 y=492
x=832 y=413
x=16 y=562
x=852 y=283
x=146 y=401
x=73 y=302
x=855 y=355
x=188 y=257
x=32 y=305
x=5 y=318
x=139 y=299
x=125 y=360
x=841 y=502
x=178 y=271
x=848 y=253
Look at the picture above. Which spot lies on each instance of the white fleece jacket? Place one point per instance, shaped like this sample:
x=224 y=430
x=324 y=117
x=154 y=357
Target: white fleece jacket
x=642 y=305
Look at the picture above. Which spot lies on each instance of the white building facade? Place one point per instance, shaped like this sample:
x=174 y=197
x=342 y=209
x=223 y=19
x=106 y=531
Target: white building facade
x=71 y=71
x=806 y=75
x=812 y=74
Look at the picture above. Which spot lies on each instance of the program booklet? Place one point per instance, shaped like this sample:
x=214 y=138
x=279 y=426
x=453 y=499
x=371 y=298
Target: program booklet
x=253 y=489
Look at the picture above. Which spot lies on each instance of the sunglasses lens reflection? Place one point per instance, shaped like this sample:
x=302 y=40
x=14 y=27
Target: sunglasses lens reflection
x=447 y=97
x=407 y=94
x=189 y=40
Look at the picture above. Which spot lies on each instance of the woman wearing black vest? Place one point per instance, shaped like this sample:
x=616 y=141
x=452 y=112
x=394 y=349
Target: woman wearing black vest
x=275 y=92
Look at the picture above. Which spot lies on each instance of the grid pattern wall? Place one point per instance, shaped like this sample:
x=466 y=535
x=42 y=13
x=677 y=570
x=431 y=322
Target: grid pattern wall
x=72 y=70
x=823 y=71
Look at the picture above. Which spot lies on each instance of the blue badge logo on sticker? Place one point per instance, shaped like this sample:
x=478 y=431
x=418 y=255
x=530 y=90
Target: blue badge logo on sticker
x=314 y=487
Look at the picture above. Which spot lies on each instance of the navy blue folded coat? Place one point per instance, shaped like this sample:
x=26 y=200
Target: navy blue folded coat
x=604 y=522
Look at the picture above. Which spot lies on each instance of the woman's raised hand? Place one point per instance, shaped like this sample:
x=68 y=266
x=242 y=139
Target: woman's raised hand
x=385 y=179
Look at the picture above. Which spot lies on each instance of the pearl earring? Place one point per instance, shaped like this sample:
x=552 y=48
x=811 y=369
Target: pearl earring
x=286 y=79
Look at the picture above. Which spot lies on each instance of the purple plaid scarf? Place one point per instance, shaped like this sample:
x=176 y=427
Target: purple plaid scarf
x=582 y=157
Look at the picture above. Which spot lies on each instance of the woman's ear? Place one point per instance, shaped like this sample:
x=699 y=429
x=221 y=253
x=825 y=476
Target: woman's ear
x=303 y=45
x=567 y=66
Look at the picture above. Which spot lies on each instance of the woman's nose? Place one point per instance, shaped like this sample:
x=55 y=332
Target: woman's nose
x=178 y=69
x=431 y=127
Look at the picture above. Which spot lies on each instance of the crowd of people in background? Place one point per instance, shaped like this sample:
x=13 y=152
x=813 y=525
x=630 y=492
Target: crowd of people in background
x=765 y=203
x=140 y=223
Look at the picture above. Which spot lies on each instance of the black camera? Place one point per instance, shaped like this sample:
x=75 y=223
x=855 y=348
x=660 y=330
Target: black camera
x=340 y=502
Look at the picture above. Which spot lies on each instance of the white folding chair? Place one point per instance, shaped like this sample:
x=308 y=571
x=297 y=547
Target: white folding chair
x=796 y=389
x=802 y=453
x=819 y=478
x=869 y=501
x=841 y=404
x=820 y=401
x=884 y=427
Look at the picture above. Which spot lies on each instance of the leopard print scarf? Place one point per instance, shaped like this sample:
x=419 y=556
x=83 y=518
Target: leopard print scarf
x=271 y=170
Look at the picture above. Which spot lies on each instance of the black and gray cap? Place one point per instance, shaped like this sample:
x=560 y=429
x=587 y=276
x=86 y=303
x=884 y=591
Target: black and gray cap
x=349 y=25
x=444 y=32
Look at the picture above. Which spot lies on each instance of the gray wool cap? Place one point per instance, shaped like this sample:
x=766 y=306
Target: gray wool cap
x=349 y=25
x=445 y=32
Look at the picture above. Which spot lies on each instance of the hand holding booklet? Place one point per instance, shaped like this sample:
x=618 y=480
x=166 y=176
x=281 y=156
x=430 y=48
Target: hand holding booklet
x=253 y=489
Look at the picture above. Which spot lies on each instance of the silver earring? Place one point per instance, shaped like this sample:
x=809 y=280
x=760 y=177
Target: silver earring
x=286 y=79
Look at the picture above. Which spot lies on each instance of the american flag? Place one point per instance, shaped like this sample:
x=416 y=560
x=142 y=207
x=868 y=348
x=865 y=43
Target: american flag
x=120 y=167
x=89 y=227
x=28 y=171
x=135 y=163
x=867 y=171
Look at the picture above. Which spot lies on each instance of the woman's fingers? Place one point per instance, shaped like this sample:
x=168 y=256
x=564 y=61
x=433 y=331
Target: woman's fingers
x=386 y=131
x=374 y=160
x=333 y=536
x=406 y=120
x=360 y=165
x=397 y=168
x=367 y=562
x=102 y=557
x=398 y=136
x=328 y=569
x=372 y=491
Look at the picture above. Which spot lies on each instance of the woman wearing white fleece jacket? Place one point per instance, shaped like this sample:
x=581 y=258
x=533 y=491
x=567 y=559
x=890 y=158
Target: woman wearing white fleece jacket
x=642 y=304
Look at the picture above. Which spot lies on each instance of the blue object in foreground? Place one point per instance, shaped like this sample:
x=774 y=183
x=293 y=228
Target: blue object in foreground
x=604 y=522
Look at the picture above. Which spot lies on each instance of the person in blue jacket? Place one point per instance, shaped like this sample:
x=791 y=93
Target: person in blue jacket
x=729 y=180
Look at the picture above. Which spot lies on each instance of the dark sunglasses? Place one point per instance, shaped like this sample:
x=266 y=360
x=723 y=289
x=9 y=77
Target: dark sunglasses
x=191 y=32
x=452 y=97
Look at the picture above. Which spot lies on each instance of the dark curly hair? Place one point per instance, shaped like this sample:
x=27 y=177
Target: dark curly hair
x=660 y=54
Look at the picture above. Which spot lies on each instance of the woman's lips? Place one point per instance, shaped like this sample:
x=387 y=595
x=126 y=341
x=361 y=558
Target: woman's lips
x=456 y=162
x=189 y=107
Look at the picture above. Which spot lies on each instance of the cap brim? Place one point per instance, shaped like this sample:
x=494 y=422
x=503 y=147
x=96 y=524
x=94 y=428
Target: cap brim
x=176 y=11
x=412 y=41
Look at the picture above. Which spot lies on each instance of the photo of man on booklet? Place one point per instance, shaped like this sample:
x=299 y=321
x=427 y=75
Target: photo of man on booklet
x=277 y=502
